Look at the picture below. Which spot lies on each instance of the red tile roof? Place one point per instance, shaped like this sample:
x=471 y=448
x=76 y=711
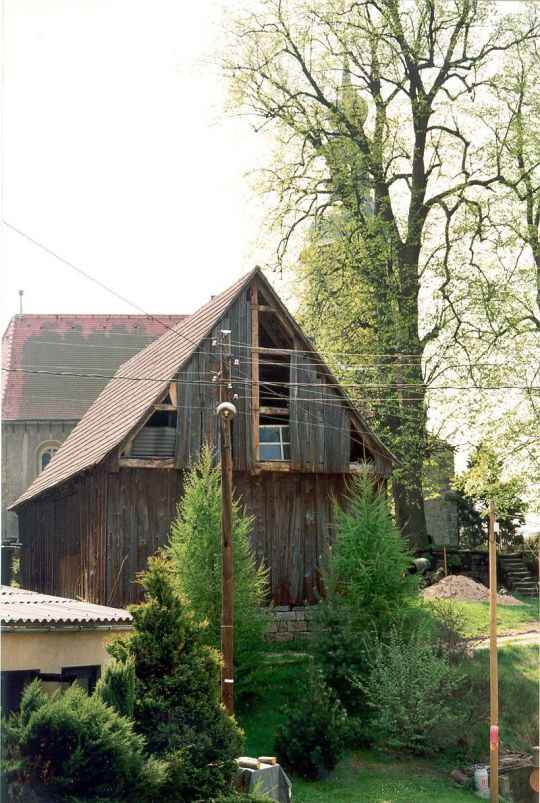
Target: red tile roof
x=128 y=396
x=54 y=366
x=21 y=607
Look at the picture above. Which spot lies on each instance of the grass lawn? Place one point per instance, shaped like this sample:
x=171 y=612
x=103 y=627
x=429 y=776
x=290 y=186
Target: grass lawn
x=363 y=775
x=509 y=617
x=377 y=777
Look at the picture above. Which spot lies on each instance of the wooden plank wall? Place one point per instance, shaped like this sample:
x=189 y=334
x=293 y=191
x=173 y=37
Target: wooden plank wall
x=64 y=540
x=141 y=506
x=198 y=398
x=319 y=422
x=292 y=527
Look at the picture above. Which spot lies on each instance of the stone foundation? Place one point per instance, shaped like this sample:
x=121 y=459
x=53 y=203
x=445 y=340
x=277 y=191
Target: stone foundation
x=288 y=622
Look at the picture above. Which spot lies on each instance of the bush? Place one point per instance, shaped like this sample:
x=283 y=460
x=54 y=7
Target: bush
x=177 y=692
x=72 y=746
x=410 y=691
x=195 y=552
x=311 y=740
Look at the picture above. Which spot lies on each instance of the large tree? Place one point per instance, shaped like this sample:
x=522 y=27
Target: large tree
x=368 y=101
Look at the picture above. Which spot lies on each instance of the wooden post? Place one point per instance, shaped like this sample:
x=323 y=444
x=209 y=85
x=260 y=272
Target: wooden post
x=493 y=679
x=255 y=395
x=227 y=578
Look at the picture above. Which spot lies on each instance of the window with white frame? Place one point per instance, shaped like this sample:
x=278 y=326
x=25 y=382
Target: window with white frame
x=274 y=442
x=45 y=454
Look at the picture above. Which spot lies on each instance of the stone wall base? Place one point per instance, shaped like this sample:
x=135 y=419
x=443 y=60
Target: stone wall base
x=288 y=622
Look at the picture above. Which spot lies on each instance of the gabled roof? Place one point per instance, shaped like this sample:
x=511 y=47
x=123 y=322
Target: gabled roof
x=29 y=608
x=130 y=393
x=54 y=366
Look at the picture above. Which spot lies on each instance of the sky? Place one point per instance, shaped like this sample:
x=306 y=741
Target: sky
x=119 y=156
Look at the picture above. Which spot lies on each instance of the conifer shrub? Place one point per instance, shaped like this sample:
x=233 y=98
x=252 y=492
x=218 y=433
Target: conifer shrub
x=177 y=692
x=312 y=738
x=117 y=687
x=195 y=553
x=71 y=746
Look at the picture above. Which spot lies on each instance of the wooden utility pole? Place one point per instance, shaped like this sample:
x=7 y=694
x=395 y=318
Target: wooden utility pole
x=493 y=678
x=226 y=412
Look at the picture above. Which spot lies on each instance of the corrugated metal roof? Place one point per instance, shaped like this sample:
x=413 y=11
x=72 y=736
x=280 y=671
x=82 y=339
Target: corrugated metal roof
x=54 y=366
x=21 y=607
x=128 y=396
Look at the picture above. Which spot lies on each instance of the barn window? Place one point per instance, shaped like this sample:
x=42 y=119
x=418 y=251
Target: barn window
x=45 y=454
x=275 y=443
x=157 y=438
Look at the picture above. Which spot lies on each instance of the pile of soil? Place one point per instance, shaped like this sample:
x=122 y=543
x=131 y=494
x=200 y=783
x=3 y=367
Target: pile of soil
x=457 y=586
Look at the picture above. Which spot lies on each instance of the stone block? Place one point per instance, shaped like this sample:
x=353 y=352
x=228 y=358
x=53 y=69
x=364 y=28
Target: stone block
x=298 y=627
x=286 y=616
x=282 y=627
x=283 y=637
x=271 y=627
x=280 y=608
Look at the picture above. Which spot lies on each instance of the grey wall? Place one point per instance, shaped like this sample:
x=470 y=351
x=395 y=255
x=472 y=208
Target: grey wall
x=20 y=444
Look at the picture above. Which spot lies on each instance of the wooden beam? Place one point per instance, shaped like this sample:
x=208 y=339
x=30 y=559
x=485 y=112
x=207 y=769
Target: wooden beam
x=283 y=411
x=171 y=408
x=255 y=401
x=135 y=462
x=264 y=308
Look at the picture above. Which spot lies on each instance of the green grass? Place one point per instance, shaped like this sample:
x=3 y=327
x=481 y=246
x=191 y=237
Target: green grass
x=509 y=617
x=374 y=777
x=367 y=778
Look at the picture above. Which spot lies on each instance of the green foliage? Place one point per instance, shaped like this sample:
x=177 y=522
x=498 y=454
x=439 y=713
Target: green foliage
x=311 y=740
x=367 y=589
x=475 y=487
x=177 y=692
x=367 y=572
x=75 y=746
x=195 y=552
x=410 y=691
x=117 y=687
x=339 y=649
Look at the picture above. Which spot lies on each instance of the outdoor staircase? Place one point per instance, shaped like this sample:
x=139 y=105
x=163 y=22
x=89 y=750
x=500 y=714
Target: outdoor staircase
x=518 y=576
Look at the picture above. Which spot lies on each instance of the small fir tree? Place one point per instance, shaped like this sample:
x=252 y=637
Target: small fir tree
x=367 y=572
x=177 y=692
x=195 y=552
x=311 y=740
x=367 y=588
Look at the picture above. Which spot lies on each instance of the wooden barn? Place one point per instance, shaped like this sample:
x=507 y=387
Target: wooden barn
x=106 y=500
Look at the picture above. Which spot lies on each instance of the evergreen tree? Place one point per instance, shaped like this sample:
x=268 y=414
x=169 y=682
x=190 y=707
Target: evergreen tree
x=177 y=692
x=195 y=551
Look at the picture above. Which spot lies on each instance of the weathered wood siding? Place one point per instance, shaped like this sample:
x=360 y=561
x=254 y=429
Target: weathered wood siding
x=198 y=396
x=293 y=521
x=141 y=506
x=93 y=540
x=319 y=421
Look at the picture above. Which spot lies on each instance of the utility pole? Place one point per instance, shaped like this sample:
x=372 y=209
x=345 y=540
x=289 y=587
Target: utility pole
x=226 y=411
x=493 y=679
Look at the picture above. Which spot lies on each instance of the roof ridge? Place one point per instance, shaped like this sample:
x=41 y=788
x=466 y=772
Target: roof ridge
x=166 y=356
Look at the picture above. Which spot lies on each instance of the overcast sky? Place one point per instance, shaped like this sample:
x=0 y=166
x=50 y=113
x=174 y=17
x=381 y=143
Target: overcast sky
x=119 y=157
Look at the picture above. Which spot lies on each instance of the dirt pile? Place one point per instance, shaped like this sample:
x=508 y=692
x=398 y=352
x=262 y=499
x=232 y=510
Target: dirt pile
x=457 y=586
